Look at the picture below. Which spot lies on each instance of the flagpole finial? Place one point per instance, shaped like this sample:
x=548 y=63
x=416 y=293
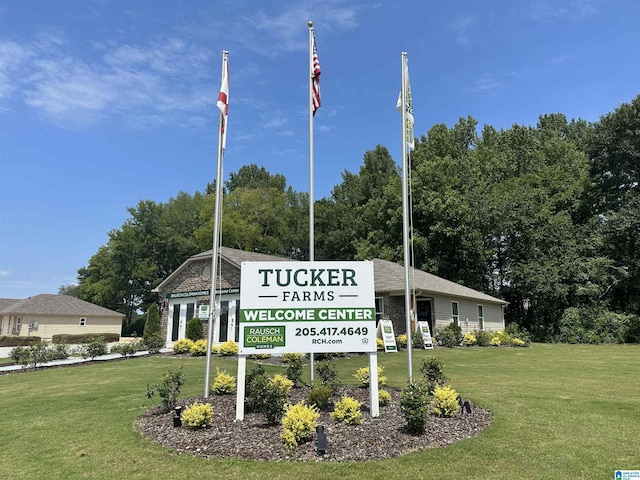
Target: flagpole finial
x=310 y=23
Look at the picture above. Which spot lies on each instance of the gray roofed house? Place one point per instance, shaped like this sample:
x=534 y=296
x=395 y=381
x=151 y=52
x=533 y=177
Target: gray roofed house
x=437 y=301
x=47 y=315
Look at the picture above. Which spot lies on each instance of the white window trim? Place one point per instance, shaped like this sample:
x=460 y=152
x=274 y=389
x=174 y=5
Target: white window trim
x=379 y=314
x=455 y=317
x=82 y=322
x=480 y=318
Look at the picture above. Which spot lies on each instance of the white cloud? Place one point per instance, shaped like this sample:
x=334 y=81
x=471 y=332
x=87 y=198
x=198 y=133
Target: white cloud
x=553 y=10
x=460 y=28
x=485 y=84
x=4 y=273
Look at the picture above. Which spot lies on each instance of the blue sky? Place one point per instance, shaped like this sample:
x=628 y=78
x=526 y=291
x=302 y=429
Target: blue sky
x=107 y=102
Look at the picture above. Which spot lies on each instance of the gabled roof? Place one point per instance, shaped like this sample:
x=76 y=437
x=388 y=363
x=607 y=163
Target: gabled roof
x=48 y=304
x=231 y=255
x=389 y=278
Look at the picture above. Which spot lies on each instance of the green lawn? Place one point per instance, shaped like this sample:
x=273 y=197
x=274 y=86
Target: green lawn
x=560 y=411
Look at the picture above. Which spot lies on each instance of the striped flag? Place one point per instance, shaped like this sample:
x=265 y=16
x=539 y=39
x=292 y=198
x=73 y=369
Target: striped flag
x=315 y=75
x=223 y=103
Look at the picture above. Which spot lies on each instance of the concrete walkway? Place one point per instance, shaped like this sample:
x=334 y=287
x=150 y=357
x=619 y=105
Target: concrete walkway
x=77 y=360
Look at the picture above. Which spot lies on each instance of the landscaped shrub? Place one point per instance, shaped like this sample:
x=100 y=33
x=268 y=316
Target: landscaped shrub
x=127 y=349
x=152 y=327
x=384 y=397
x=170 y=387
x=379 y=344
x=256 y=384
x=433 y=370
x=483 y=337
x=194 y=330
x=299 y=423
x=20 y=355
x=450 y=336
x=183 y=345
x=401 y=340
x=83 y=338
x=469 y=339
x=197 y=415
x=57 y=352
x=362 y=375
x=265 y=396
x=347 y=410
x=445 y=402
x=199 y=348
x=228 y=348
x=153 y=343
x=223 y=383
x=499 y=338
x=414 y=405
x=320 y=396
x=514 y=331
x=282 y=383
x=328 y=373
x=17 y=341
x=95 y=348
x=294 y=367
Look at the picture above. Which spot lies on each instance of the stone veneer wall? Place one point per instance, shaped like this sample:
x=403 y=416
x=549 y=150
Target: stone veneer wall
x=190 y=279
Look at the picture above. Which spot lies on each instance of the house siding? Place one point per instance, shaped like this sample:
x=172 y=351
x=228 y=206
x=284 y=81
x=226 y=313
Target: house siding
x=48 y=326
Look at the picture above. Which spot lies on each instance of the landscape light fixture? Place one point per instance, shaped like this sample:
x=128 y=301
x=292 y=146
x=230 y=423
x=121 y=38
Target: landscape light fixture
x=321 y=447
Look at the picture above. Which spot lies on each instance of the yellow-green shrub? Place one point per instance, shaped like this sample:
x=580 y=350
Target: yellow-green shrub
x=347 y=410
x=401 y=340
x=500 y=338
x=445 y=402
x=197 y=415
x=291 y=357
x=183 y=345
x=282 y=383
x=379 y=344
x=518 y=342
x=362 y=375
x=199 y=348
x=223 y=383
x=469 y=339
x=228 y=348
x=384 y=397
x=299 y=423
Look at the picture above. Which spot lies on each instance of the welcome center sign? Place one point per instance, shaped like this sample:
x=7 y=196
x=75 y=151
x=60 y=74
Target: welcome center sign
x=307 y=307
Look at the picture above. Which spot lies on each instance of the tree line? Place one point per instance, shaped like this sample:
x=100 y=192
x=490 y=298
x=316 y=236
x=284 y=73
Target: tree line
x=545 y=217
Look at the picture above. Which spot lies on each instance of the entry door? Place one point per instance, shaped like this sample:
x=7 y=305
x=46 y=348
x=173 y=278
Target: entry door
x=180 y=314
x=424 y=313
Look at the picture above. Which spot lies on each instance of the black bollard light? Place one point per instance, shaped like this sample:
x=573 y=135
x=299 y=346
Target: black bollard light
x=321 y=446
x=177 y=421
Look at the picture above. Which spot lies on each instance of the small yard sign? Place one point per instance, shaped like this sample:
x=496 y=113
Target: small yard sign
x=307 y=307
x=423 y=329
x=385 y=332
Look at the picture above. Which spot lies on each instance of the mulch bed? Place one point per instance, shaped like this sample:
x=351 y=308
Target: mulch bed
x=376 y=438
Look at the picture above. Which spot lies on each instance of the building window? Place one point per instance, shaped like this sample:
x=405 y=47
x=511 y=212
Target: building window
x=454 y=313
x=18 y=326
x=379 y=309
x=480 y=317
x=83 y=321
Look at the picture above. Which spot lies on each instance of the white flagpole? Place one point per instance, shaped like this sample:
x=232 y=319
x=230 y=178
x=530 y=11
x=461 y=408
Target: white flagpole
x=216 y=237
x=311 y=216
x=405 y=215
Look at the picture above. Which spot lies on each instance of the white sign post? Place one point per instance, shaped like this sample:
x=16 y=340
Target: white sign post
x=423 y=329
x=385 y=332
x=307 y=307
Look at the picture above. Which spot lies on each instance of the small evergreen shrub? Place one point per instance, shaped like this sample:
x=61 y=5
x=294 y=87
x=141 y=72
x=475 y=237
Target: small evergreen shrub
x=96 y=348
x=401 y=340
x=256 y=384
x=194 y=330
x=299 y=423
x=384 y=397
x=170 y=387
x=126 y=349
x=18 y=341
x=183 y=345
x=433 y=370
x=20 y=355
x=328 y=374
x=223 y=383
x=152 y=328
x=57 y=352
x=450 y=336
x=82 y=338
x=347 y=410
x=469 y=339
x=265 y=396
x=197 y=415
x=445 y=402
x=362 y=375
x=414 y=405
x=228 y=348
x=153 y=343
x=320 y=396
x=199 y=348
x=293 y=371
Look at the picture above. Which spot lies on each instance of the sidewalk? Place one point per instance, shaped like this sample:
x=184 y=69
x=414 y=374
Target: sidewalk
x=78 y=360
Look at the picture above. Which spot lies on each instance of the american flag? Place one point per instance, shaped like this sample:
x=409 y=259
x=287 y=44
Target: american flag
x=223 y=104
x=316 y=77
